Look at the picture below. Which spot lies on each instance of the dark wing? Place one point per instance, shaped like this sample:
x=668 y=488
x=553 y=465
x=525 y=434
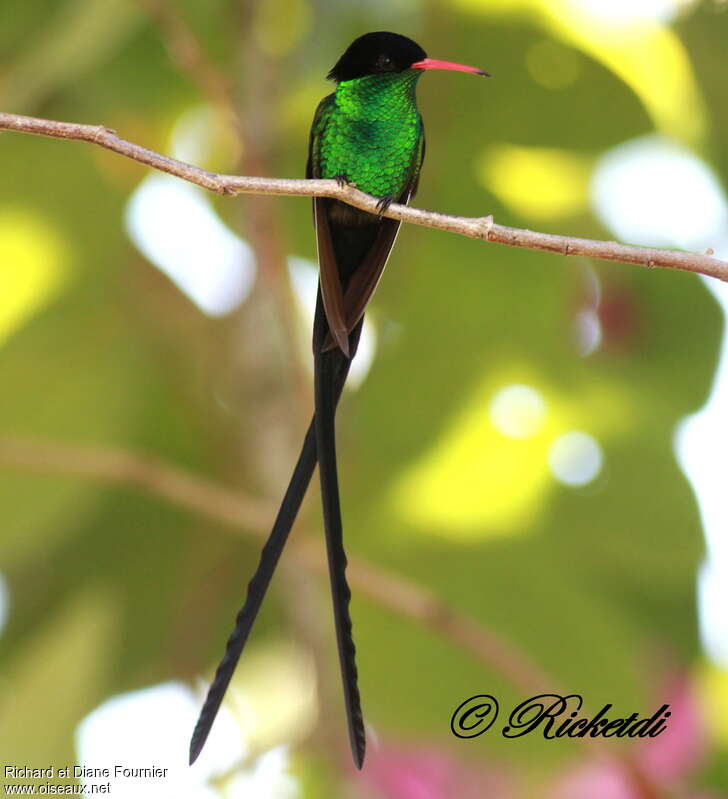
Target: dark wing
x=366 y=278
x=331 y=291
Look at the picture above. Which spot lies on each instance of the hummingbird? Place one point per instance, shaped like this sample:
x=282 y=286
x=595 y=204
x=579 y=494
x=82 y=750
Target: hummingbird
x=367 y=133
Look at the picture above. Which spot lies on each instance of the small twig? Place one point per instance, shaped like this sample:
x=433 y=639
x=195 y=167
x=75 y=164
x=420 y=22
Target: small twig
x=225 y=505
x=187 y=53
x=263 y=228
x=473 y=227
x=152 y=476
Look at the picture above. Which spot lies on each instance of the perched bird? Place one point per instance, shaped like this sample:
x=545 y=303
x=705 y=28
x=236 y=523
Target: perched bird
x=368 y=133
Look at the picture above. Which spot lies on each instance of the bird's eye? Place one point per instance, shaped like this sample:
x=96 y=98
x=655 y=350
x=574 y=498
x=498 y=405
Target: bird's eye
x=384 y=62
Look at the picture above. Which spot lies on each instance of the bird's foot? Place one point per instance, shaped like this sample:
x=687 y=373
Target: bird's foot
x=341 y=180
x=384 y=203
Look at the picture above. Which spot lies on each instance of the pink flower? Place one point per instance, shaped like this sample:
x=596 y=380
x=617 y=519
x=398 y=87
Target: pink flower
x=666 y=761
x=408 y=772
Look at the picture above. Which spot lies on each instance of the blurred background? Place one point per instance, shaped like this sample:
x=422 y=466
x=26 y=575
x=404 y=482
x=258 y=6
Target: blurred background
x=532 y=450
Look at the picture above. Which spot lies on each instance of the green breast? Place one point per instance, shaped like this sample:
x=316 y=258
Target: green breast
x=371 y=132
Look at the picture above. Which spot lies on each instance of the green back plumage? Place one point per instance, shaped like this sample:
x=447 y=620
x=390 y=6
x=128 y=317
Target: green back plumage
x=370 y=131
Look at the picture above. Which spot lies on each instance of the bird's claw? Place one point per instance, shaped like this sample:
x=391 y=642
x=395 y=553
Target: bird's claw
x=341 y=180
x=384 y=203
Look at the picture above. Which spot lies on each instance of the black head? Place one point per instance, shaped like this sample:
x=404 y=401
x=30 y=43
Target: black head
x=375 y=54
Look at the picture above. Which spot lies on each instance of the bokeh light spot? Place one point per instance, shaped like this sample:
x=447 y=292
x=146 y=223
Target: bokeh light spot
x=274 y=695
x=487 y=473
x=478 y=480
x=125 y=729
x=33 y=267
x=266 y=779
x=304 y=280
x=701 y=443
x=713 y=692
x=575 y=458
x=4 y=602
x=628 y=12
x=654 y=192
x=201 y=135
x=536 y=182
x=713 y=600
x=588 y=330
x=552 y=65
x=175 y=226
x=518 y=411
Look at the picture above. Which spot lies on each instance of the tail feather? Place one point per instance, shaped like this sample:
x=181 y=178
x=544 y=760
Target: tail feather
x=258 y=585
x=326 y=365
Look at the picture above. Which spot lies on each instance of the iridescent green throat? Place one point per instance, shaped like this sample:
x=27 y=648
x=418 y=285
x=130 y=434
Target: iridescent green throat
x=371 y=132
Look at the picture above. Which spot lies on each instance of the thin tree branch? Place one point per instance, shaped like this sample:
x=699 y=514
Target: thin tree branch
x=229 y=507
x=150 y=475
x=221 y=504
x=189 y=56
x=391 y=591
x=473 y=227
